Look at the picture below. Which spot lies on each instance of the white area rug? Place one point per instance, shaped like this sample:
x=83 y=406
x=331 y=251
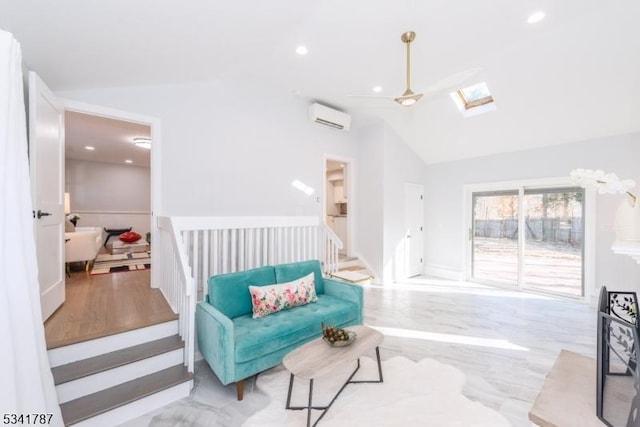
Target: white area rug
x=425 y=393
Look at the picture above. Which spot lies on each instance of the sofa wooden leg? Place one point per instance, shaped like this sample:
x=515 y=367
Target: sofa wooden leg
x=240 y=389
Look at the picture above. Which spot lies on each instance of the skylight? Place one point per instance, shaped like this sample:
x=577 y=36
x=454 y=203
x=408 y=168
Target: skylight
x=474 y=99
x=476 y=95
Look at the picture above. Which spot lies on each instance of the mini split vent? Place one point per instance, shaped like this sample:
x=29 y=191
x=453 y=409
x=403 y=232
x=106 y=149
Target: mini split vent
x=329 y=117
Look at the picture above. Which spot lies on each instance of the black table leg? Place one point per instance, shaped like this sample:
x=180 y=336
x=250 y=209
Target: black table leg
x=324 y=409
x=310 y=400
x=114 y=232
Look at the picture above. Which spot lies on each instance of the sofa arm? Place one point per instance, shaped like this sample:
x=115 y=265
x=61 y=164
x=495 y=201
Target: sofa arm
x=216 y=342
x=82 y=244
x=346 y=291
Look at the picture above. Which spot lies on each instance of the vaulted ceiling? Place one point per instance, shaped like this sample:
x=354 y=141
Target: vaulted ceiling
x=573 y=76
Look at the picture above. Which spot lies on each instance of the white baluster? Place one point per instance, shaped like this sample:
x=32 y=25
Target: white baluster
x=233 y=252
x=196 y=253
x=241 y=248
x=265 y=246
x=225 y=252
x=279 y=245
x=314 y=242
x=206 y=244
x=215 y=253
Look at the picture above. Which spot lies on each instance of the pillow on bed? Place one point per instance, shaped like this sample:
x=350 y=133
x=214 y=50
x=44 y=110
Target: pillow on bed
x=273 y=298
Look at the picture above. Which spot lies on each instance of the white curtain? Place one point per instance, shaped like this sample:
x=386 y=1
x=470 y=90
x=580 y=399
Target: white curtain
x=26 y=383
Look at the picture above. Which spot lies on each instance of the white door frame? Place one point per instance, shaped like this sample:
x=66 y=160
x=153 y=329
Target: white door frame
x=350 y=192
x=155 y=161
x=407 y=254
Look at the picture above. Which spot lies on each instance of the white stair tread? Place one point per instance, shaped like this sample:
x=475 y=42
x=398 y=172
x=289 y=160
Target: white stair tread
x=85 y=367
x=351 y=276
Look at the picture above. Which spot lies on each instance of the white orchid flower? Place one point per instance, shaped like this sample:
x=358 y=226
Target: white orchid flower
x=605 y=183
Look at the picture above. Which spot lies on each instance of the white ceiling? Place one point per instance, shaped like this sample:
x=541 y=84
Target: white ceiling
x=571 y=77
x=111 y=139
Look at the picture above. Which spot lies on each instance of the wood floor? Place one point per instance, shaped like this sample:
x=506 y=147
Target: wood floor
x=105 y=304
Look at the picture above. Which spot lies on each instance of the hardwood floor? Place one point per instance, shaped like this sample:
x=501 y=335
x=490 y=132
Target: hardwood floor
x=505 y=343
x=105 y=304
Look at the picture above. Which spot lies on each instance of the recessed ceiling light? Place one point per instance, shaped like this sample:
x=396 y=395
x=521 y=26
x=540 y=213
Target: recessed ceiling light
x=377 y=89
x=302 y=50
x=128 y=161
x=89 y=148
x=143 y=142
x=536 y=17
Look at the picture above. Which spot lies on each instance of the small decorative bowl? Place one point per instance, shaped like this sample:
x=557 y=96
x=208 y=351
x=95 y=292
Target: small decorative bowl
x=130 y=237
x=352 y=338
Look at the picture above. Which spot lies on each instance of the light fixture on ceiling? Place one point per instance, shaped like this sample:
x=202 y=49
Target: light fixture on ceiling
x=408 y=97
x=128 y=161
x=142 y=142
x=302 y=50
x=377 y=89
x=535 y=17
x=89 y=148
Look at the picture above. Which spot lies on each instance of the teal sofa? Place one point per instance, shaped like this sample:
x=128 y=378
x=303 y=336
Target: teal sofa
x=236 y=346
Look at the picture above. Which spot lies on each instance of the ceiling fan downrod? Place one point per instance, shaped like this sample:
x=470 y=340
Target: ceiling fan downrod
x=407 y=38
x=408 y=97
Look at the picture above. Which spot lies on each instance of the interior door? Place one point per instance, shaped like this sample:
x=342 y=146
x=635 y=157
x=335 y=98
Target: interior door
x=414 y=238
x=46 y=162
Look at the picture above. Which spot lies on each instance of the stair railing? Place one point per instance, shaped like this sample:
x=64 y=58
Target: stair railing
x=177 y=283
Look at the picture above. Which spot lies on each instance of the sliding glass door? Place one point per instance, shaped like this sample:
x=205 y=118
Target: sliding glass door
x=495 y=237
x=531 y=238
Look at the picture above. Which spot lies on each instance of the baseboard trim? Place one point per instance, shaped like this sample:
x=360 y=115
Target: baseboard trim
x=443 y=272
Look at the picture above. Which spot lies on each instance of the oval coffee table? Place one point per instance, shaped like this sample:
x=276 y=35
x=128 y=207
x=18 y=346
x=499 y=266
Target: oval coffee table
x=317 y=358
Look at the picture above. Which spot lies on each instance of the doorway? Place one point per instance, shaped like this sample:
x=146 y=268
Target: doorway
x=338 y=197
x=108 y=176
x=111 y=184
x=127 y=119
x=532 y=238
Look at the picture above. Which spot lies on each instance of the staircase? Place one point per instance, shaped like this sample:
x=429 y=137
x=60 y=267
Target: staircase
x=350 y=269
x=110 y=380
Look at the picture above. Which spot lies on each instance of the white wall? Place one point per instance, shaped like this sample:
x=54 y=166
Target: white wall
x=232 y=148
x=401 y=166
x=109 y=195
x=386 y=164
x=369 y=197
x=444 y=213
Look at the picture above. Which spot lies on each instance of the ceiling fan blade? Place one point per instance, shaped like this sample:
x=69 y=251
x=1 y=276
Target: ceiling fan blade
x=372 y=96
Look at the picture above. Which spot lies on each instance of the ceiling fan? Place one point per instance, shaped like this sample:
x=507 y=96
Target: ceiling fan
x=408 y=98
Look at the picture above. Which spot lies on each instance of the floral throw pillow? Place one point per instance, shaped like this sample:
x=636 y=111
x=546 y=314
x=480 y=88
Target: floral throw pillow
x=273 y=298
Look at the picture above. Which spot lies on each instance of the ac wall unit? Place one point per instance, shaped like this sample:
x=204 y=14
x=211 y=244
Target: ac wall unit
x=329 y=117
